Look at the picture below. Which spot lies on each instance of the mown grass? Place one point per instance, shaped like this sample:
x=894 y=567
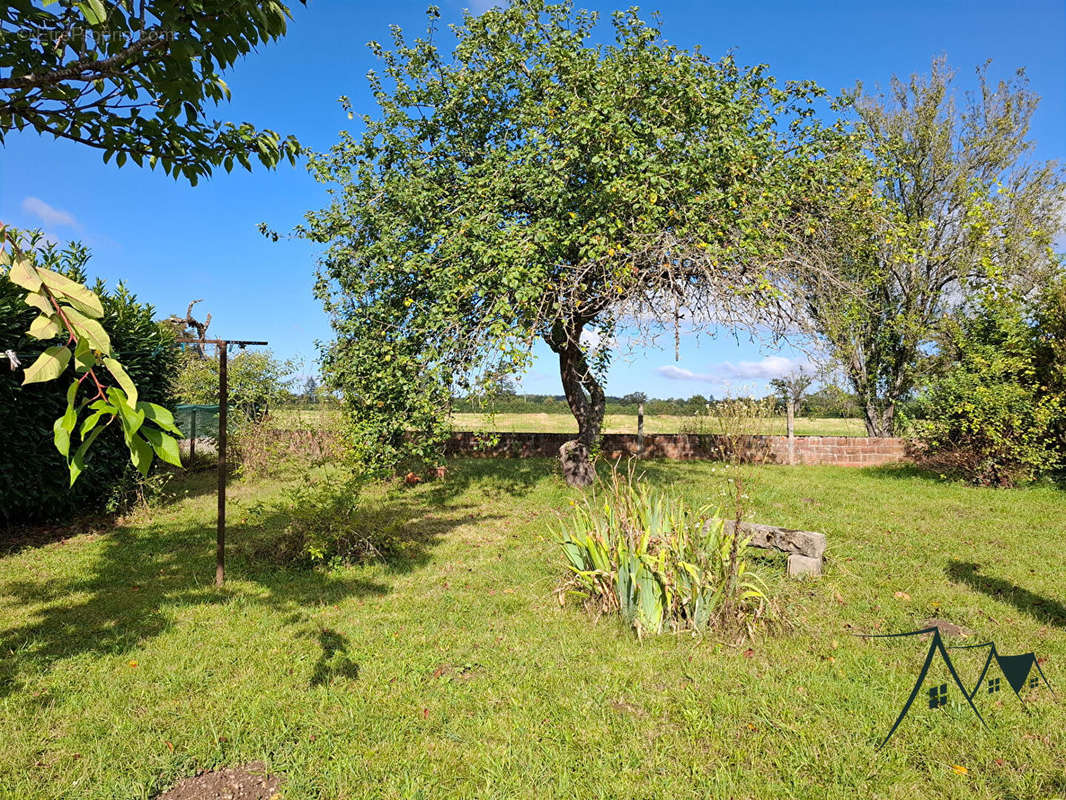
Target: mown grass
x=563 y=422
x=456 y=673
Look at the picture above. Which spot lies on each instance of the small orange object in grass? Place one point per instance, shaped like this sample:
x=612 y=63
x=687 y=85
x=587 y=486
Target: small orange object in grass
x=958 y=769
x=133 y=663
x=411 y=479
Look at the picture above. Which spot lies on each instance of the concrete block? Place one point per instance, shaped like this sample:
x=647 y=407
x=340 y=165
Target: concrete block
x=799 y=566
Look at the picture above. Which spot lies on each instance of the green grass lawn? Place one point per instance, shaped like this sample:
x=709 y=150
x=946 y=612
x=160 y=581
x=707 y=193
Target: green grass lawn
x=564 y=422
x=456 y=673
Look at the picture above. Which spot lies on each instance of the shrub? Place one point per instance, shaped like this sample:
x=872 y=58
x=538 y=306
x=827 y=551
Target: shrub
x=659 y=564
x=260 y=448
x=34 y=480
x=328 y=521
x=984 y=415
x=257 y=380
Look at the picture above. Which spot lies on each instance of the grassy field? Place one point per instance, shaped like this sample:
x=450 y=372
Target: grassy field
x=613 y=423
x=627 y=423
x=457 y=674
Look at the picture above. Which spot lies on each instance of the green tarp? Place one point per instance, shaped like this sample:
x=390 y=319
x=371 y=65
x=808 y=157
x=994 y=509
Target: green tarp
x=199 y=421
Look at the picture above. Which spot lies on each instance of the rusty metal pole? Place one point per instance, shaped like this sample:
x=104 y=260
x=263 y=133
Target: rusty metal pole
x=223 y=403
x=223 y=407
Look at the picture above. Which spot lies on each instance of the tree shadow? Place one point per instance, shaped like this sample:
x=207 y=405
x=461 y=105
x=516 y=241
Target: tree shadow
x=334 y=661
x=910 y=471
x=513 y=477
x=142 y=576
x=1041 y=608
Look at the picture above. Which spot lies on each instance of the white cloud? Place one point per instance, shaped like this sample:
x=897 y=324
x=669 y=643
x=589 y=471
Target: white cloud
x=49 y=215
x=764 y=369
x=679 y=374
x=769 y=367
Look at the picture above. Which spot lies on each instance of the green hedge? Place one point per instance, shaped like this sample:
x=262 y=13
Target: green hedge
x=33 y=476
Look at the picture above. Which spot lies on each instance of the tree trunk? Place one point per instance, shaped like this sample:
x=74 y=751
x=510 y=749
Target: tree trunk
x=880 y=420
x=587 y=402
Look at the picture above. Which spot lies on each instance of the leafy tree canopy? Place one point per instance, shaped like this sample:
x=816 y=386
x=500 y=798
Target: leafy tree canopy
x=257 y=380
x=135 y=79
x=934 y=198
x=532 y=184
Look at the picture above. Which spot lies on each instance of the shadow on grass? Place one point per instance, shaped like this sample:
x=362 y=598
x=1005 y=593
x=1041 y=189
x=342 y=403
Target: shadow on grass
x=130 y=586
x=514 y=477
x=1044 y=609
x=334 y=661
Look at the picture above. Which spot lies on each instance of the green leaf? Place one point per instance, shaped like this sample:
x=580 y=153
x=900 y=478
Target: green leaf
x=166 y=447
x=61 y=437
x=92 y=420
x=131 y=418
x=93 y=11
x=44 y=328
x=84 y=360
x=40 y=302
x=140 y=454
x=24 y=274
x=88 y=328
x=124 y=381
x=160 y=416
x=77 y=464
x=48 y=366
x=72 y=292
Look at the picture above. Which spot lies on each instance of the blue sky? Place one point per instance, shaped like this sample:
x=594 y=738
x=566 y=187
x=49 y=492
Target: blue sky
x=175 y=243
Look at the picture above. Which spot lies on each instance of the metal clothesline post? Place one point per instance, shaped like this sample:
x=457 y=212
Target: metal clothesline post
x=223 y=402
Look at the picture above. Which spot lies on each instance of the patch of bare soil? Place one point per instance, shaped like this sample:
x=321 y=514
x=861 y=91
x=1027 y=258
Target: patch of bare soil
x=946 y=628
x=249 y=782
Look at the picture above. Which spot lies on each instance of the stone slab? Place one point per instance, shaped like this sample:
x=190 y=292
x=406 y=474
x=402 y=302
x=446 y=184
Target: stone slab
x=787 y=540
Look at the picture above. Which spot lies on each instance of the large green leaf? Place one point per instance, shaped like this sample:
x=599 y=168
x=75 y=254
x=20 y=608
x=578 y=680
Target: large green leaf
x=44 y=328
x=166 y=447
x=61 y=437
x=24 y=274
x=39 y=301
x=160 y=416
x=88 y=328
x=84 y=360
x=77 y=463
x=72 y=292
x=131 y=418
x=140 y=453
x=48 y=366
x=124 y=381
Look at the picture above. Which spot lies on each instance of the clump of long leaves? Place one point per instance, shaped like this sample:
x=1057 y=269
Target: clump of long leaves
x=659 y=563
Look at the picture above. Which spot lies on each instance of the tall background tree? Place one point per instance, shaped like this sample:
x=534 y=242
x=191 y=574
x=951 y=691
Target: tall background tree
x=930 y=197
x=136 y=79
x=790 y=389
x=532 y=185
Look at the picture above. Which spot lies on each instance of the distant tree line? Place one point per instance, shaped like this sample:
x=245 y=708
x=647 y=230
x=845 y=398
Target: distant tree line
x=828 y=401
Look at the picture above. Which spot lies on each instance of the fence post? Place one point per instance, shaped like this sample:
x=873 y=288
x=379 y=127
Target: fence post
x=192 y=437
x=640 y=430
x=790 y=426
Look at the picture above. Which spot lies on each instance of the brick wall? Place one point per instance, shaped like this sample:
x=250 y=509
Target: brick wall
x=844 y=451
